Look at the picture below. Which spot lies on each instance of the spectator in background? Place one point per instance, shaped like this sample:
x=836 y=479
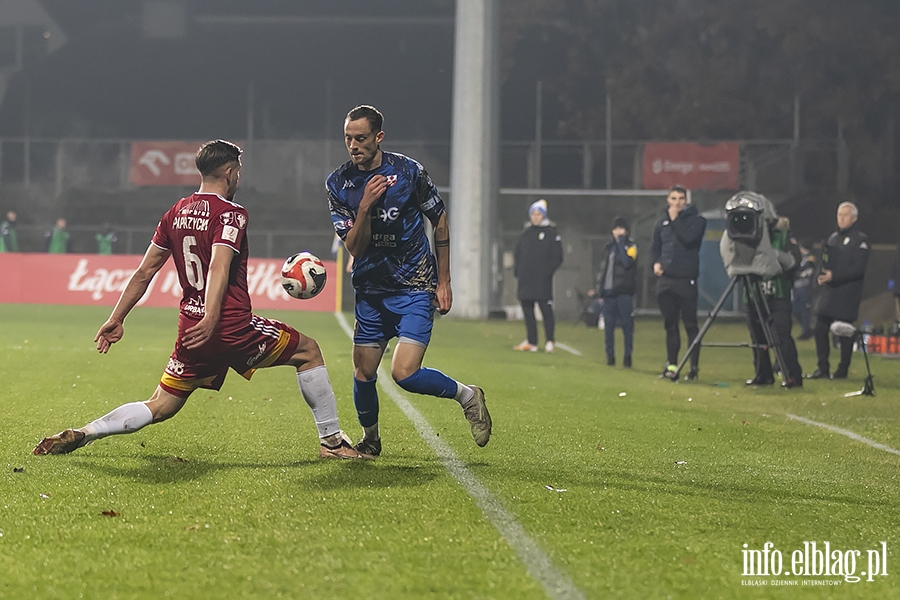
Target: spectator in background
x=843 y=268
x=615 y=283
x=58 y=238
x=538 y=255
x=105 y=240
x=8 y=240
x=675 y=255
x=801 y=294
x=894 y=284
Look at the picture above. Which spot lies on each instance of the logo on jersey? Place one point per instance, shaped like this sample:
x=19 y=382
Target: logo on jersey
x=230 y=233
x=348 y=184
x=388 y=215
x=262 y=352
x=197 y=207
x=176 y=367
x=233 y=218
x=391 y=180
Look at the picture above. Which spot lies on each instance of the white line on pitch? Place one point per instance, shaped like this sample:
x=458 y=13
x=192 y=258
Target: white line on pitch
x=846 y=432
x=568 y=349
x=539 y=566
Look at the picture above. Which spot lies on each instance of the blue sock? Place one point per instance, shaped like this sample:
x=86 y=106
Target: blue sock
x=431 y=382
x=365 y=397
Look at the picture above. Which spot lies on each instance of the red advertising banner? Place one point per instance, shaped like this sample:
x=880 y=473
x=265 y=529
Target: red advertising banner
x=93 y=279
x=694 y=166
x=164 y=163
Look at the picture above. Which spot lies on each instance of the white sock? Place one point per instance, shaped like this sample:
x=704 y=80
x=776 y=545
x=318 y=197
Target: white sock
x=128 y=418
x=315 y=387
x=372 y=433
x=464 y=394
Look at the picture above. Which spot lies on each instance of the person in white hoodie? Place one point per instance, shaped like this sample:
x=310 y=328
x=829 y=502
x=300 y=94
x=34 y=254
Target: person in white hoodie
x=538 y=255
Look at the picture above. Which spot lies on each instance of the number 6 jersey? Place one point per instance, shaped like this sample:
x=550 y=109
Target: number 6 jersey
x=189 y=230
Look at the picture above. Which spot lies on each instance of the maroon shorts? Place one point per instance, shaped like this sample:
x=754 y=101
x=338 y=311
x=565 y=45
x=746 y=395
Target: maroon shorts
x=245 y=347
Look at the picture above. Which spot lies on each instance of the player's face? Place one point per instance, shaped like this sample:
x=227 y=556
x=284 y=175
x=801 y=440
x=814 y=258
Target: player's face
x=676 y=200
x=845 y=217
x=362 y=143
x=537 y=217
x=233 y=177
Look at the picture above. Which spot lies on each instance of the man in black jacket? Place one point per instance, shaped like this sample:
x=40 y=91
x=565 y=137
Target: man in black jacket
x=675 y=255
x=615 y=283
x=538 y=255
x=843 y=268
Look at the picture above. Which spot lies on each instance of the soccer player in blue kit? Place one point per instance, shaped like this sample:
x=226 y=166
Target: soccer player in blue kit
x=379 y=202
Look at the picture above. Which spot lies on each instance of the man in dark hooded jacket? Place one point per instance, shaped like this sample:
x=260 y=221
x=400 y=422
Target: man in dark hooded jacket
x=538 y=255
x=675 y=255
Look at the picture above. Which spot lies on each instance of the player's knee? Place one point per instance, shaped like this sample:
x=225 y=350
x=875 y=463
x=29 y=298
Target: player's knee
x=164 y=406
x=308 y=353
x=407 y=381
x=402 y=372
x=365 y=374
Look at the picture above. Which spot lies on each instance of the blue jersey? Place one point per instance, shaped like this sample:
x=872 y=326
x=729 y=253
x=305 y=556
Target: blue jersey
x=398 y=258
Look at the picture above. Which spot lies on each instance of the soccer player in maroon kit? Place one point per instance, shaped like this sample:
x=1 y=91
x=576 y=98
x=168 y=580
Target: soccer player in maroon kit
x=205 y=234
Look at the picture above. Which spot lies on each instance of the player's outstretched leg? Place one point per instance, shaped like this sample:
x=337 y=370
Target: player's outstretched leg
x=127 y=418
x=61 y=443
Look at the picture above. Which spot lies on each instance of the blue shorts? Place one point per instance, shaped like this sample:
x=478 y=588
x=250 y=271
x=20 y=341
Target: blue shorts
x=408 y=316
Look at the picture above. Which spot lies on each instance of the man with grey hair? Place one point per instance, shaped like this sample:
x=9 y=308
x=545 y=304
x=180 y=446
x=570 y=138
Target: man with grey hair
x=844 y=262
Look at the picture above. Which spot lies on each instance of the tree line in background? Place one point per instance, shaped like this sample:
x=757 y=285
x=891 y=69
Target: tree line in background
x=714 y=69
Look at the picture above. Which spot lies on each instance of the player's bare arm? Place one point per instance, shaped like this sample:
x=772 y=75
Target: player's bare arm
x=217 y=281
x=112 y=331
x=443 y=293
x=360 y=234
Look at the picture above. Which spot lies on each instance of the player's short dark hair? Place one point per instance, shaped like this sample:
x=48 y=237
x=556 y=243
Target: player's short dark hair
x=215 y=154
x=678 y=188
x=370 y=114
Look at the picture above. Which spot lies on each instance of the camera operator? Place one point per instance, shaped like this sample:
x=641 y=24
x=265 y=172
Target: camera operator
x=843 y=268
x=757 y=244
x=777 y=291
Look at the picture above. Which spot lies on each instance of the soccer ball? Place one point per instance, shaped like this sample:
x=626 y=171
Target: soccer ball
x=303 y=276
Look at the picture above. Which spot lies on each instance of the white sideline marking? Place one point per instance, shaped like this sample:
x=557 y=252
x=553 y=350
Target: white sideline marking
x=568 y=349
x=555 y=583
x=846 y=432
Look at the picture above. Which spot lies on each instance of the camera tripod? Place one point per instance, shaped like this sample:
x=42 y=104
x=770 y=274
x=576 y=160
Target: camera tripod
x=759 y=305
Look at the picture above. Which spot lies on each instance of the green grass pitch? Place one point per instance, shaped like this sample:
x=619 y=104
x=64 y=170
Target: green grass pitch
x=631 y=486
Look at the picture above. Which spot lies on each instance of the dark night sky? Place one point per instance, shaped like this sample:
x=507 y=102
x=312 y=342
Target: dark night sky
x=110 y=81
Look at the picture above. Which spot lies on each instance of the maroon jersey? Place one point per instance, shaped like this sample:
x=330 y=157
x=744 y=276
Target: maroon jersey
x=189 y=230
